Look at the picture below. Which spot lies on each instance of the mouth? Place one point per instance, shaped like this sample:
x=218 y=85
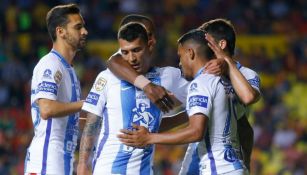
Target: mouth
x=83 y=40
x=136 y=66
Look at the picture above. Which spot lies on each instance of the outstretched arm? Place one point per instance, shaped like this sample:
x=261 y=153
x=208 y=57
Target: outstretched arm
x=88 y=140
x=157 y=94
x=141 y=137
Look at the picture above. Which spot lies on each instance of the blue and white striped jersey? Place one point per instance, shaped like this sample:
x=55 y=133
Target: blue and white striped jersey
x=120 y=104
x=53 y=145
x=219 y=151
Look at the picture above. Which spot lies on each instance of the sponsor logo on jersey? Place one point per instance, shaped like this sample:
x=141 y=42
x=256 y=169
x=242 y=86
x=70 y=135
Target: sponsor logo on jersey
x=46 y=86
x=47 y=73
x=92 y=98
x=100 y=84
x=198 y=100
x=57 y=77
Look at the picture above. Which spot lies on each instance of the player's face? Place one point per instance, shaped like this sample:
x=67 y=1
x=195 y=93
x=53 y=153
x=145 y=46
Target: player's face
x=136 y=53
x=75 y=32
x=185 y=62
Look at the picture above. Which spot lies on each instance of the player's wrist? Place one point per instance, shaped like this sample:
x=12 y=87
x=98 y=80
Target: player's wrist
x=141 y=81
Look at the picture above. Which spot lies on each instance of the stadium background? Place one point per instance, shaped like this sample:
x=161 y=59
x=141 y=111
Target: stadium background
x=271 y=40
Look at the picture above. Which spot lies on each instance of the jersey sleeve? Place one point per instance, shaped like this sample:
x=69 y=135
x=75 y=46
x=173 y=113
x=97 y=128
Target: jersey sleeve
x=199 y=99
x=179 y=93
x=252 y=77
x=180 y=89
x=96 y=99
x=48 y=78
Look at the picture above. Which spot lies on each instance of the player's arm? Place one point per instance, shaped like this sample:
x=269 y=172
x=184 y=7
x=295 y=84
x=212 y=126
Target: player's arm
x=172 y=122
x=246 y=137
x=52 y=108
x=246 y=93
x=193 y=132
x=88 y=140
x=157 y=94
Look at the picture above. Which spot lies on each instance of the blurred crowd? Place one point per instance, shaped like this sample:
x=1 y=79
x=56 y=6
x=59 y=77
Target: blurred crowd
x=279 y=119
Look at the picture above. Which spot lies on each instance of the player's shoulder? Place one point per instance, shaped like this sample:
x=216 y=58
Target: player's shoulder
x=48 y=61
x=244 y=69
x=169 y=70
x=208 y=81
x=107 y=75
x=205 y=78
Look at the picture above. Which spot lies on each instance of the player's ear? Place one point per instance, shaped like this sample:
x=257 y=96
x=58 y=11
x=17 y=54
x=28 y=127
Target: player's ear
x=191 y=53
x=151 y=45
x=59 y=31
x=223 y=44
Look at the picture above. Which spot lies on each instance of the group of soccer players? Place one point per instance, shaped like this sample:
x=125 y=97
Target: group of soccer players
x=131 y=101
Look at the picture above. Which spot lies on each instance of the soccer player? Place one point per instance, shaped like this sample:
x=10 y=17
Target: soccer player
x=55 y=96
x=212 y=121
x=114 y=104
x=244 y=81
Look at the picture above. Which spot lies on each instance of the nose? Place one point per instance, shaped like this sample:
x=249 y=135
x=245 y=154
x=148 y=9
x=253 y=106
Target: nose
x=84 y=31
x=131 y=58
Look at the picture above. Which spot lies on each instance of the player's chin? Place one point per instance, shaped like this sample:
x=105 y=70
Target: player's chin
x=82 y=43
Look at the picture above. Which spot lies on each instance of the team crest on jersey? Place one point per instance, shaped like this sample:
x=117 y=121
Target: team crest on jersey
x=100 y=83
x=193 y=87
x=57 y=77
x=47 y=73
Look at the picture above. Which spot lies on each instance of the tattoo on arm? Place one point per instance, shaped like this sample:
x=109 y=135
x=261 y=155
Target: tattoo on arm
x=89 y=138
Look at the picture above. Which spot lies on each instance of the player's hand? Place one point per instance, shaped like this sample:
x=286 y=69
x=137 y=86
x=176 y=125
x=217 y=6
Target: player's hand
x=218 y=51
x=216 y=66
x=137 y=138
x=159 y=96
x=83 y=169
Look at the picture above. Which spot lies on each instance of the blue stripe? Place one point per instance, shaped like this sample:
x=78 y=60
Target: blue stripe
x=73 y=120
x=194 y=165
x=227 y=123
x=46 y=144
x=154 y=127
x=238 y=64
x=71 y=129
x=63 y=61
x=146 y=161
x=104 y=138
x=210 y=154
x=128 y=102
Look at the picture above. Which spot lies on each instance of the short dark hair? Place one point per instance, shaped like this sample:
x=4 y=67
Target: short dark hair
x=57 y=16
x=138 y=18
x=134 y=18
x=132 y=31
x=198 y=36
x=221 y=29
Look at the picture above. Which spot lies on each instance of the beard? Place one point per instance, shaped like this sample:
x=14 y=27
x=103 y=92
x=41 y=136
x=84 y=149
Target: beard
x=77 y=44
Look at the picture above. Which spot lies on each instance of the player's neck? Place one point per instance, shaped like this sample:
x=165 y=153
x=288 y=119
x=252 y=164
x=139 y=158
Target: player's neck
x=66 y=51
x=197 y=66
